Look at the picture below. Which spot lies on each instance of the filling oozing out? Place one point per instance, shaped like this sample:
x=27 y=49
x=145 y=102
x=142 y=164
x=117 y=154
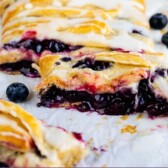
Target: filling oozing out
x=112 y=104
x=123 y=102
x=23 y=66
x=38 y=46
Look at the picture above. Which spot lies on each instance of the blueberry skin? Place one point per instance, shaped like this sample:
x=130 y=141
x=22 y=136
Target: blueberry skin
x=3 y=165
x=158 y=21
x=165 y=39
x=17 y=92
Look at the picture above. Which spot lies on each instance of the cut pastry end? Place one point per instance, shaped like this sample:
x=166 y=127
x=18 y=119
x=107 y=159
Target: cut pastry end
x=19 y=57
x=26 y=142
x=111 y=83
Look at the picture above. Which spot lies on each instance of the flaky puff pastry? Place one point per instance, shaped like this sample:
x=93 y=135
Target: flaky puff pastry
x=114 y=8
x=125 y=69
x=26 y=142
x=14 y=23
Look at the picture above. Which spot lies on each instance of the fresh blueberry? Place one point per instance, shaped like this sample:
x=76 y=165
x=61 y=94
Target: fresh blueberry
x=17 y=92
x=158 y=21
x=165 y=39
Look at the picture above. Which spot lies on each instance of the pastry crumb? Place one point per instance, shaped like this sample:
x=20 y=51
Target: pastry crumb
x=125 y=117
x=129 y=129
x=139 y=116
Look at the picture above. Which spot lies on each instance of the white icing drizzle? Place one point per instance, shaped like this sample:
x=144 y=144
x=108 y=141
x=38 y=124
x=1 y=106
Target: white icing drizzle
x=130 y=10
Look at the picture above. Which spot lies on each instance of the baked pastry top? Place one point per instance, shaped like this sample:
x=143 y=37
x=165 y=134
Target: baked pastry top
x=27 y=142
x=66 y=26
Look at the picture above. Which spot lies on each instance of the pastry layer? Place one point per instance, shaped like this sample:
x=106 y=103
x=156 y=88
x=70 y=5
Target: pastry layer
x=103 y=71
x=113 y=83
x=134 y=9
x=26 y=142
x=67 y=26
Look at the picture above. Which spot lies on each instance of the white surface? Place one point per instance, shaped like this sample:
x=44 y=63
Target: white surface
x=148 y=146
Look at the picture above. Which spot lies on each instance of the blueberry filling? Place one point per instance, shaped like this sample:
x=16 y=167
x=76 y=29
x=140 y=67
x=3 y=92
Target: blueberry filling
x=94 y=65
x=123 y=102
x=17 y=92
x=39 y=46
x=24 y=67
x=3 y=164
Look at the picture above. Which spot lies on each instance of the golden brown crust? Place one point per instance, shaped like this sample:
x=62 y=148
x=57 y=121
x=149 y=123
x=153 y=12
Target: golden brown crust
x=85 y=82
x=94 y=20
x=126 y=69
x=32 y=125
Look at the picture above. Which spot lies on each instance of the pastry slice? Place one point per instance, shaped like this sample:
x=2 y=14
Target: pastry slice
x=110 y=83
x=27 y=142
x=52 y=27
